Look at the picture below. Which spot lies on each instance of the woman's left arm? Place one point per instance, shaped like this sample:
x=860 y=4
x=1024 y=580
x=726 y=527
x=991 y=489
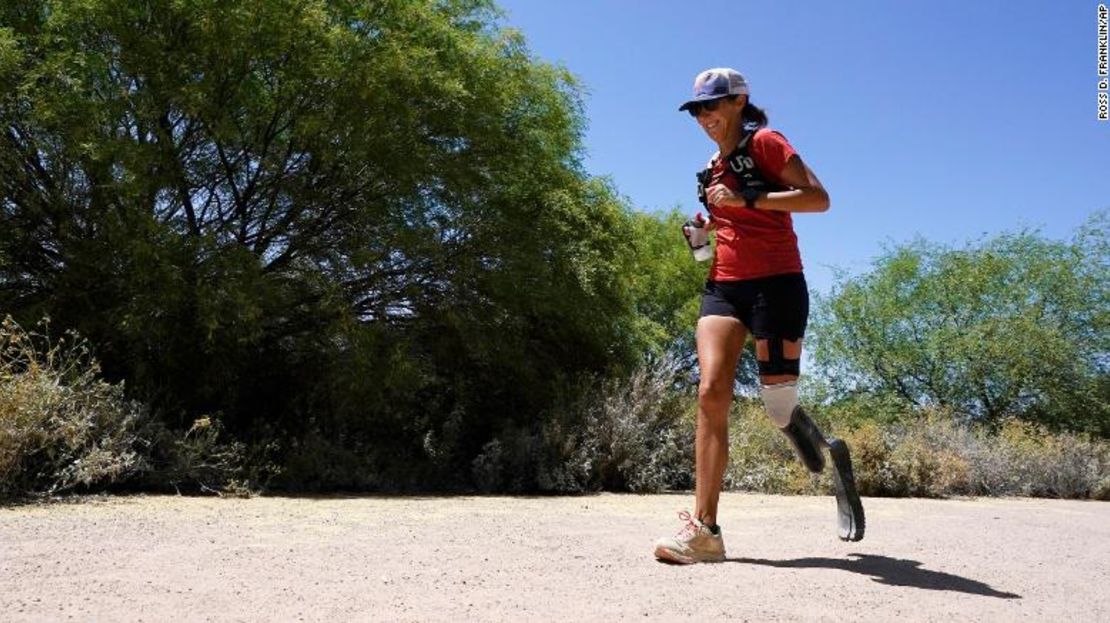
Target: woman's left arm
x=806 y=194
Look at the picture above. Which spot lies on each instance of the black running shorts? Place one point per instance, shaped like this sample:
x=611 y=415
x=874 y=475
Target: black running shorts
x=775 y=307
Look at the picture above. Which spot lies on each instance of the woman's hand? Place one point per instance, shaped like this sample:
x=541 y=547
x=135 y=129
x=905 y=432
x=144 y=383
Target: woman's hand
x=722 y=196
x=709 y=225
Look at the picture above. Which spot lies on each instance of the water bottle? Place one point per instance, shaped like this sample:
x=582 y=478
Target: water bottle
x=698 y=238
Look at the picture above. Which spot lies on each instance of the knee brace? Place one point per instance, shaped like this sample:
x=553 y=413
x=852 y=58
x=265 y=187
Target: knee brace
x=777 y=363
x=781 y=401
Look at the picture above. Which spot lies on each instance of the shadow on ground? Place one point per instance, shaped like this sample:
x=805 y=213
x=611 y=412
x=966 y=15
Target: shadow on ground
x=891 y=571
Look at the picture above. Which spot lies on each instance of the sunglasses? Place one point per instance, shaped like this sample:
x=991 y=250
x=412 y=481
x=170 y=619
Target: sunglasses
x=708 y=106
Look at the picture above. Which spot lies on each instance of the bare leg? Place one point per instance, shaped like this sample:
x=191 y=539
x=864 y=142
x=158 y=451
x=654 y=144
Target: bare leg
x=720 y=340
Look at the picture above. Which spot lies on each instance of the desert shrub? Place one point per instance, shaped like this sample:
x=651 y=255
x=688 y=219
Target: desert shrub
x=540 y=458
x=641 y=431
x=203 y=460
x=1029 y=460
x=632 y=433
x=61 y=426
x=928 y=459
x=760 y=458
x=870 y=457
x=550 y=453
x=936 y=456
x=930 y=455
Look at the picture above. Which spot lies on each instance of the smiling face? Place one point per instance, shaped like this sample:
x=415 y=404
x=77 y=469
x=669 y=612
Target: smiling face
x=723 y=120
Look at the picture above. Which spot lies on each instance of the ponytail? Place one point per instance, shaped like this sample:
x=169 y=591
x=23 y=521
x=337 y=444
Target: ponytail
x=754 y=115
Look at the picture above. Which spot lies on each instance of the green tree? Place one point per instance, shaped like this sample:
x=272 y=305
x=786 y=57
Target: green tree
x=1017 y=325
x=665 y=283
x=363 y=223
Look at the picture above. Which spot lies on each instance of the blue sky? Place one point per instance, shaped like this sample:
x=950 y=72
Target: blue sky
x=946 y=120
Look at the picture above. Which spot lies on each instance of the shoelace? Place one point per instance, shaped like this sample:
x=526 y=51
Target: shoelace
x=690 y=529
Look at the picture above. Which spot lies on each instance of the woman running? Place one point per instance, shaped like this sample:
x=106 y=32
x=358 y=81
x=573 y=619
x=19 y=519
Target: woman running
x=755 y=286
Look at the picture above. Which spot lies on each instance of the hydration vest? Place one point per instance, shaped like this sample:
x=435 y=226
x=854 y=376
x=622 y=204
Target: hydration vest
x=742 y=166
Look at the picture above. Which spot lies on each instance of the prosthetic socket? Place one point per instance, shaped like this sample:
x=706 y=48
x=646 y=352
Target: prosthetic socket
x=782 y=405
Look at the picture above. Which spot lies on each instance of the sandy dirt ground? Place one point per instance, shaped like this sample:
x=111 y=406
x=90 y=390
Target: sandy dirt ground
x=548 y=559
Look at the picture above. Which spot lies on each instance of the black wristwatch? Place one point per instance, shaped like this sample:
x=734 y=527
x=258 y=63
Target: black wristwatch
x=750 y=196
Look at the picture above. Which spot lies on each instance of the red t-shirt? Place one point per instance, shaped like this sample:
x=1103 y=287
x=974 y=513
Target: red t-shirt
x=754 y=243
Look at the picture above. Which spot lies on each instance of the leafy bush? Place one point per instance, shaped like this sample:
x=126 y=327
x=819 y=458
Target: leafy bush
x=60 y=425
x=629 y=434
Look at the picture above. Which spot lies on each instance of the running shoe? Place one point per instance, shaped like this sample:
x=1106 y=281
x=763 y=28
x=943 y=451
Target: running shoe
x=695 y=542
